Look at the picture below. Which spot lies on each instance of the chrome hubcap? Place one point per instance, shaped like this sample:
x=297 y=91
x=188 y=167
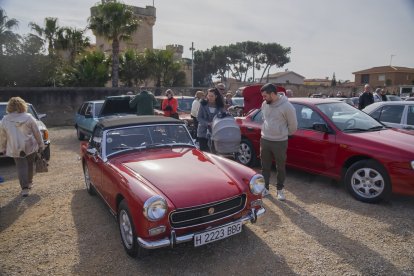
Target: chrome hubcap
x=126 y=229
x=245 y=154
x=367 y=182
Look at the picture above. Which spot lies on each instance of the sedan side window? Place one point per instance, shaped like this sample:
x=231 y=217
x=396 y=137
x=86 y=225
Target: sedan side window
x=83 y=109
x=88 y=110
x=392 y=114
x=410 y=115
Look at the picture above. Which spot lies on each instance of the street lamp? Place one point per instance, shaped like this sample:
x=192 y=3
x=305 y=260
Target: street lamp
x=192 y=64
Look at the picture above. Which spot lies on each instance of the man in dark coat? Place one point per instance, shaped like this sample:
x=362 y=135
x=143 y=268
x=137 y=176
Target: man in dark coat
x=144 y=102
x=366 y=97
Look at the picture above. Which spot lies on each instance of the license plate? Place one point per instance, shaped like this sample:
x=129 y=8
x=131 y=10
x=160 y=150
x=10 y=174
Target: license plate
x=217 y=234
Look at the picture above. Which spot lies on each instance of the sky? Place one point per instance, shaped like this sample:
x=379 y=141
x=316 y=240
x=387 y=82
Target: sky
x=325 y=36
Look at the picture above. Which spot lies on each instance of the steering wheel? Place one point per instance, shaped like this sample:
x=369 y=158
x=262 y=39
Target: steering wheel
x=350 y=123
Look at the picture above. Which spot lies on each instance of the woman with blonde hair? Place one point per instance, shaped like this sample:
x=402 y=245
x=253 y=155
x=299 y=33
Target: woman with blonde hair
x=20 y=138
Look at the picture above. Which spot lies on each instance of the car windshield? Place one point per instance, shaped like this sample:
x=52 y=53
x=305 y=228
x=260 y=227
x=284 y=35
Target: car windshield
x=348 y=118
x=29 y=110
x=98 y=107
x=148 y=136
x=184 y=104
x=237 y=101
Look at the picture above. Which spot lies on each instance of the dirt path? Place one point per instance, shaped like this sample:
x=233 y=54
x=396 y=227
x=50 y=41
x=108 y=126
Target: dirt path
x=320 y=230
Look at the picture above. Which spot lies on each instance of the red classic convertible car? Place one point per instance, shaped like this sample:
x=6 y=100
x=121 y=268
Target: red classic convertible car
x=339 y=141
x=162 y=189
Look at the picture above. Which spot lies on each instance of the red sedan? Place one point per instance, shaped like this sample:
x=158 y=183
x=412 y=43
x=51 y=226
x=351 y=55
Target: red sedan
x=162 y=189
x=339 y=141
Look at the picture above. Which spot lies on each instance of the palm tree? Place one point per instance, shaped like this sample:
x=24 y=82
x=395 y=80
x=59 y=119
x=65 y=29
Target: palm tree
x=49 y=32
x=6 y=33
x=71 y=40
x=114 y=21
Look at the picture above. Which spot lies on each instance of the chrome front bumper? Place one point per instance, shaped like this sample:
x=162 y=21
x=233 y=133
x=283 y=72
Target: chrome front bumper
x=173 y=239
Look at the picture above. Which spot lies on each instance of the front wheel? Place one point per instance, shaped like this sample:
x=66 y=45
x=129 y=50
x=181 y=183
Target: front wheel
x=127 y=231
x=89 y=188
x=246 y=154
x=368 y=181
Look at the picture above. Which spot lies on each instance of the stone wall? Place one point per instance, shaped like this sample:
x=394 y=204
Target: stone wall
x=61 y=104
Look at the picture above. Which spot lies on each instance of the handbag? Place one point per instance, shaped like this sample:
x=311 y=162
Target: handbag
x=41 y=164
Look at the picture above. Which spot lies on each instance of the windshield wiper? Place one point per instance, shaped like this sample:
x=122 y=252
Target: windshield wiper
x=157 y=145
x=354 y=129
x=376 y=128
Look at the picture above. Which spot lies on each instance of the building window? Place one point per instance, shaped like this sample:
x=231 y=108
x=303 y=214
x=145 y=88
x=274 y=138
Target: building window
x=381 y=77
x=364 y=78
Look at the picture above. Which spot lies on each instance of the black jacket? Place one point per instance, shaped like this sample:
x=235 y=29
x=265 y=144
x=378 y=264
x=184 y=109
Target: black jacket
x=365 y=99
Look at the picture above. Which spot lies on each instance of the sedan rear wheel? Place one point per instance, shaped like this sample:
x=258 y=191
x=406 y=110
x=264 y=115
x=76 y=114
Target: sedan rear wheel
x=368 y=181
x=127 y=231
x=246 y=154
x=88 y=183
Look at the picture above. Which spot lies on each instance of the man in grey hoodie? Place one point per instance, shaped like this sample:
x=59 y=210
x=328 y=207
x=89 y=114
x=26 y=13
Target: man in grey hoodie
x=279 y=123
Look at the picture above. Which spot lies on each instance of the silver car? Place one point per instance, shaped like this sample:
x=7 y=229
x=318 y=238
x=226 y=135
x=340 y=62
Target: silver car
x=396 y=114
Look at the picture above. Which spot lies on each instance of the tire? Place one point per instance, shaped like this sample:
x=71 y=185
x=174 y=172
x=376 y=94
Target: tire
x=246 y=154
x=88 y=184
x=46 y=153
x=368 y=181
x=79 y=134
x=127 y=231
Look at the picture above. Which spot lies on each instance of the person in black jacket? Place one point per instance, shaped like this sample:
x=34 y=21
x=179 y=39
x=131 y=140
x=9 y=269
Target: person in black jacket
x=366 y=97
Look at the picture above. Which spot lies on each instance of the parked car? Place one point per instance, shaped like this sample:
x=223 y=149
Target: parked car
x=346 y=100
x=85 y=121
x=38 y=117
x=162 y=189
x=343 y=143
x=184 y=109
x=393 y=98
x=393 y=114
x=409 y=99
x=86 y=118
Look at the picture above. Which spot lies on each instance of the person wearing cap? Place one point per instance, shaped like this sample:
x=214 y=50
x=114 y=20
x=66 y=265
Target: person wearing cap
x=279 y=123
x=170 y=105
x=366 y=97
x=144 y=102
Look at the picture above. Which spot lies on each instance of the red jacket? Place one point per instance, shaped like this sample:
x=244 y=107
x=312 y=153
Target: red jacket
x=169 y=102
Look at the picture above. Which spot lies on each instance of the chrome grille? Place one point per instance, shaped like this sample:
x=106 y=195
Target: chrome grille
x=203 y=214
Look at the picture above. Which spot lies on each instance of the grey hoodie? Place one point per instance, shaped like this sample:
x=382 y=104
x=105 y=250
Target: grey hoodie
x=19 y=133
x=279 y=120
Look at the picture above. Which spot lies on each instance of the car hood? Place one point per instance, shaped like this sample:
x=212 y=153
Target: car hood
x=396 y=141
x=186 y=176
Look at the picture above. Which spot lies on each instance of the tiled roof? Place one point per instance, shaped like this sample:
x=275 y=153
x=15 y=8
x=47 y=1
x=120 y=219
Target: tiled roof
x=280 y=74
x=385 y=69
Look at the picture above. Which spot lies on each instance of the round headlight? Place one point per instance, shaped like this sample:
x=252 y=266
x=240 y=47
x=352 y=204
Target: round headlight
x=155 y=208
x=257 y=184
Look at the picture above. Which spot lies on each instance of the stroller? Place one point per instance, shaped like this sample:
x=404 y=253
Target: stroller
x=225 y=135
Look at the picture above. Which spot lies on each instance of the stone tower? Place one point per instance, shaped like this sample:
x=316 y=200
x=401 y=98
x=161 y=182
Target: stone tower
x=140 y=40
x=177 y=49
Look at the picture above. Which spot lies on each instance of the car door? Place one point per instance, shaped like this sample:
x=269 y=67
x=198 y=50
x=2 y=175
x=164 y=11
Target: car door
x=94 y=161
x=408 y=120
x=310 y=149
x=392 y=115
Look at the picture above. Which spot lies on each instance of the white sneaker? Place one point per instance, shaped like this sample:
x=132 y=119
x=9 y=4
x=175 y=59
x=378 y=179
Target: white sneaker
x=265 y=192
x=25 y=192
x=281 y=195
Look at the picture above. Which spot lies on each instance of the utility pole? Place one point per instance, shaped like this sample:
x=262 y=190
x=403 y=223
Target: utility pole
x=192 y=64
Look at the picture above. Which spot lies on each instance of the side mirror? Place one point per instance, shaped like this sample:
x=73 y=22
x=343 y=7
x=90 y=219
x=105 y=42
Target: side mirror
x=322 y=127
x=92 y=151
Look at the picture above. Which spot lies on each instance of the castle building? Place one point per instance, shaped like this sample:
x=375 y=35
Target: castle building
x=141 y=39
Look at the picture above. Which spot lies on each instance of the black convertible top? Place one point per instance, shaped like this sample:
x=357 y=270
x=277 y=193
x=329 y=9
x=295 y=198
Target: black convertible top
x=128 y=120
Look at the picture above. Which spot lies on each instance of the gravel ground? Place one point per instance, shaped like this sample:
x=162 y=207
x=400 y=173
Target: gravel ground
x=320 y=230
